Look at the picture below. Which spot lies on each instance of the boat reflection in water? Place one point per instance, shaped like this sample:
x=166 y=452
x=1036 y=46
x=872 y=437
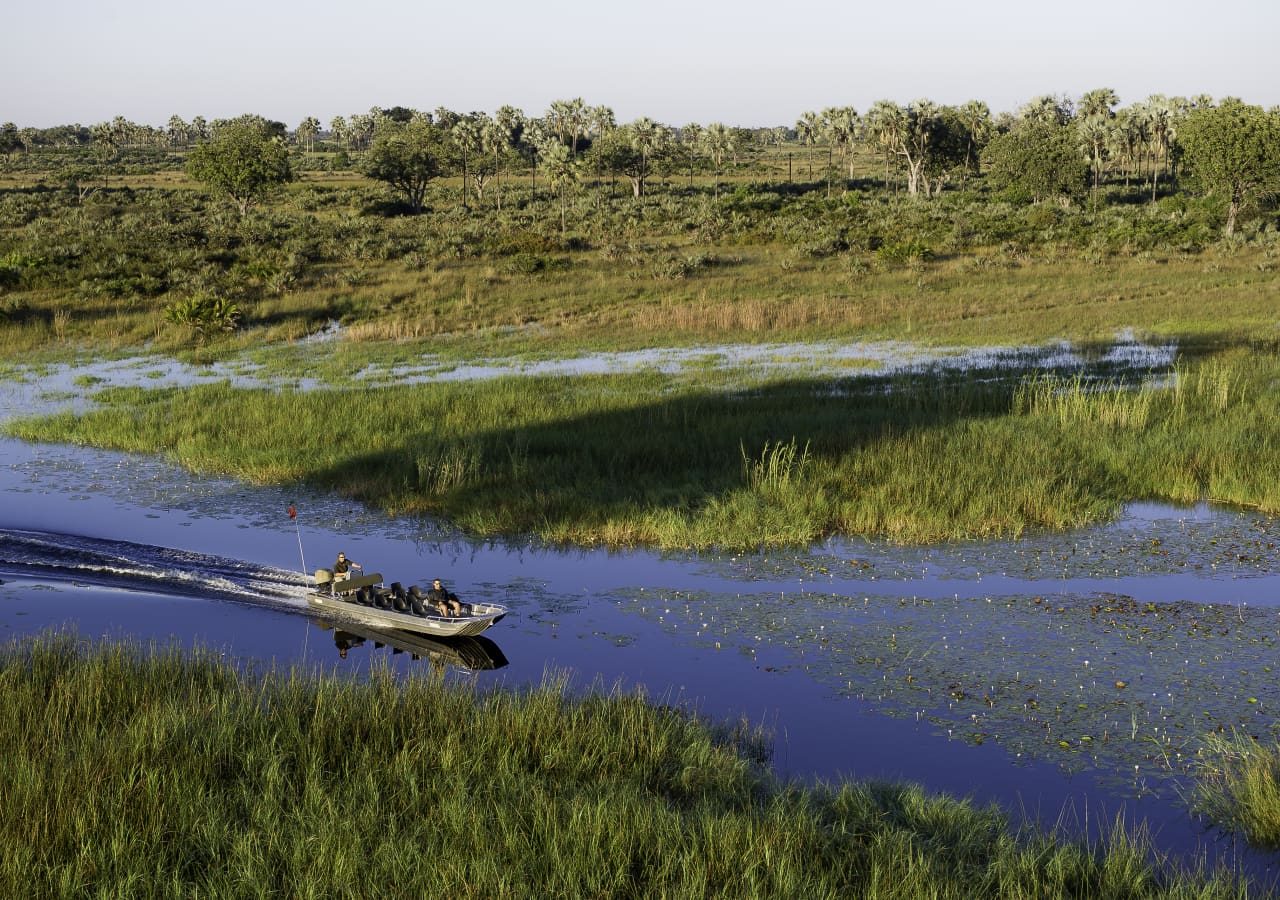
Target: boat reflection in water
x=471 y=654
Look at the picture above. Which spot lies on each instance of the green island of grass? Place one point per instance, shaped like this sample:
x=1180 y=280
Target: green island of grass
x=669 y=462
x=146 y=772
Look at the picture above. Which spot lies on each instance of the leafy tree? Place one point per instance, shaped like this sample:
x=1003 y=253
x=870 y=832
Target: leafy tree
x=399 y=114
x=83 y=181
x=407 y=157
x=951 y=149
x=245 y=159
x=10 y=143
x=1234 y=151
x=634 y=149
x=922 y=136
x=1037 y=161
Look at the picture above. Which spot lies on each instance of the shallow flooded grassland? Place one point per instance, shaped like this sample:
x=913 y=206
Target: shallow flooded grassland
x=988 y=647
x=141 y=771
x=663 y=460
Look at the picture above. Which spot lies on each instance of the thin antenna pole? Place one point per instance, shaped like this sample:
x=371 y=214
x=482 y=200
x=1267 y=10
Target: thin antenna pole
x=293 y=514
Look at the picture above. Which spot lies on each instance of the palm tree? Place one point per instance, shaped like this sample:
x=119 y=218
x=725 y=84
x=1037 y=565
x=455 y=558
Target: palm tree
x=307 y=130
x=1046 y=110
x=177 y=130
x=1095 y=125
x=842 y=129
x=600 y=123
x=1126 y=136
x=509 y=123
x=1159 y=115
x=807 y=129
x=562 y=172
x=1098 y=103
x=886 y=125
x=569 y=120
x=718 y=140
x=976 y=118
x=691 y=136
x=494 y=141
x=466 y=136
x=647 y=138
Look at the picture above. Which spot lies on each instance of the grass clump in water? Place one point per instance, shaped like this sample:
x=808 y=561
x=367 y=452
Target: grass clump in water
x=144 y=772
x=1239 y=786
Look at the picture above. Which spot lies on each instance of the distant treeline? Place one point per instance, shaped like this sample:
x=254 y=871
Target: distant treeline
x=1052 y=146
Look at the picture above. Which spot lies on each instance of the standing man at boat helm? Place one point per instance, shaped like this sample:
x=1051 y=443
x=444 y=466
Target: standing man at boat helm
x=342 y=568
x=444 y=601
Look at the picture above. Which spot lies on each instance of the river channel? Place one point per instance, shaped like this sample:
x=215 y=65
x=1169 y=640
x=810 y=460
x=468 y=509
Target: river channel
x=1068 y=677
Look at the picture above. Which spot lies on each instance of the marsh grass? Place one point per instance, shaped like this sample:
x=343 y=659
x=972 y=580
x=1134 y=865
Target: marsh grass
x=1238 y=786
x=673 y=462
x=146 y=772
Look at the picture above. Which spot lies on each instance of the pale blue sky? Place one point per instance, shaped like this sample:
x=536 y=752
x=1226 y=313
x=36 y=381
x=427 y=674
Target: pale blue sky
x=744 y=62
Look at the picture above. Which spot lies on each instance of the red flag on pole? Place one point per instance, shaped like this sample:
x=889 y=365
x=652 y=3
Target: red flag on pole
x=293 y=511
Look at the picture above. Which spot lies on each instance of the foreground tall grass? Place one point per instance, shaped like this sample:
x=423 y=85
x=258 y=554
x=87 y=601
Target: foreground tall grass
x=131 y=773
x=1239 y=786
x=653 y=459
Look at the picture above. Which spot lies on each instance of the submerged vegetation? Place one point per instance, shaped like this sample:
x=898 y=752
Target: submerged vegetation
x=155 y=772
x=668 y=461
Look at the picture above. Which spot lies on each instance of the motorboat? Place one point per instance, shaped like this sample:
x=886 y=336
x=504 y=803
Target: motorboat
x=366 y=599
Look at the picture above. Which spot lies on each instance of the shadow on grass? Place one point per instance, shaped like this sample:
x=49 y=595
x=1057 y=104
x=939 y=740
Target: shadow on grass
x=553 y=465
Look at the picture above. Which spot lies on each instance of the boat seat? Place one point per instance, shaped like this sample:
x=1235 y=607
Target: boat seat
x=351 y=585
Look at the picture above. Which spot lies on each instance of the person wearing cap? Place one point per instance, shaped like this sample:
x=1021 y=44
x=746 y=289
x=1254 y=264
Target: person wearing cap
x=442 y=600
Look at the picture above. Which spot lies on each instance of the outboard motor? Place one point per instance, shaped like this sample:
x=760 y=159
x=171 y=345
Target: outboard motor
x=324 y=580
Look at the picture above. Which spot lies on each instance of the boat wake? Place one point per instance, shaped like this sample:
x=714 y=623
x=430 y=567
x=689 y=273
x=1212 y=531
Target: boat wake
x=101 y=562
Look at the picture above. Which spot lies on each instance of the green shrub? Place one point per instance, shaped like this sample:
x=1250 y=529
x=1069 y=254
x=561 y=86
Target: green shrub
x=204 y=314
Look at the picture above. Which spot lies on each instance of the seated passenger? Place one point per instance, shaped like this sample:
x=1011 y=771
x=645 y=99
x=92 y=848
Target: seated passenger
x=446 y=603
